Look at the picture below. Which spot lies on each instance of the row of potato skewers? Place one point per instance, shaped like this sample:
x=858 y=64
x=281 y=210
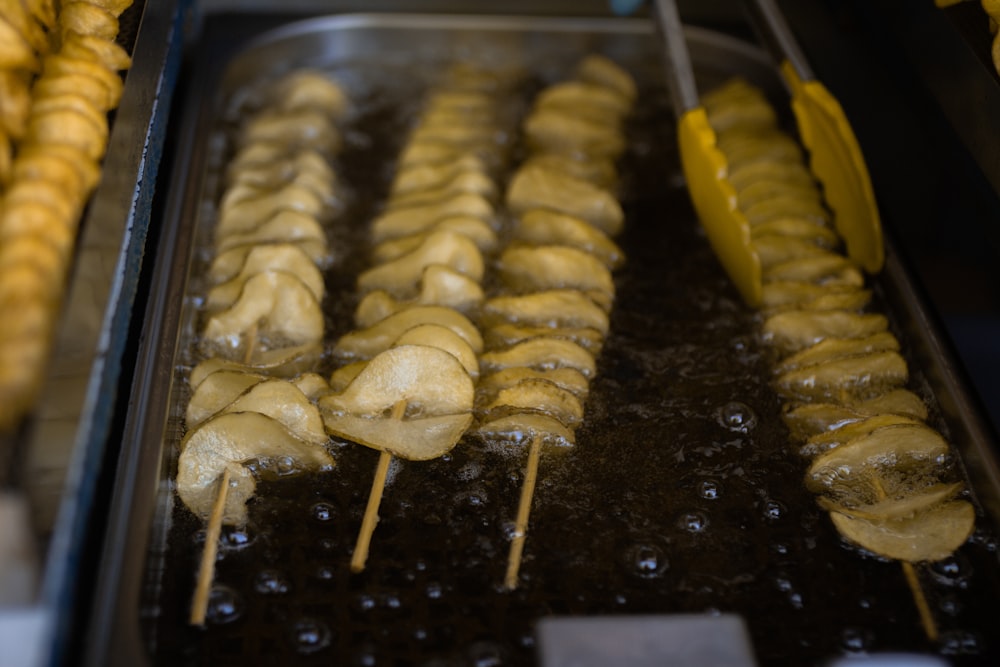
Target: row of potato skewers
x=252 y=408
x=880 y=471
x=547 y=322
x=514 y=365
x=406 y=383
x=254 y=404
x=59 y=78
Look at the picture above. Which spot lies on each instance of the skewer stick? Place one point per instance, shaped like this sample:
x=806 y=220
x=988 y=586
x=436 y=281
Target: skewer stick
x=206 y=572
x=523 y=511
x=913 y=581
x=919 y=599
x=370 y=520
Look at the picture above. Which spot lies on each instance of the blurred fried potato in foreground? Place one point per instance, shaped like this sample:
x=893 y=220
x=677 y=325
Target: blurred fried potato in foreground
x=59 y=77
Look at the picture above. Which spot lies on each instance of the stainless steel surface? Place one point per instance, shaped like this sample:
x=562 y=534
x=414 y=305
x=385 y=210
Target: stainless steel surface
x=771 y=22
x=67 y=438
x=682 y=640
x=677 y=65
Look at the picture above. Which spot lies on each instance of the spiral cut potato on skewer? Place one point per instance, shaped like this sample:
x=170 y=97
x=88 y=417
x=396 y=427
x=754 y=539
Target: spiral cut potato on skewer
x=545 y=325
x=405 y=386
x=262 y=327
x=59 y=79
x=252 y=410
x=879 y=470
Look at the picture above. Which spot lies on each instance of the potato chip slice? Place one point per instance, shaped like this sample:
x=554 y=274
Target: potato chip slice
x=275 y=308
x=58 y=65
x=895 y=446
x=219 y=389
x=530 y=269
x=535 y=187
x=541 y=354
x=564 y=308
x=537 y=395
x=400 y=277
x=416 y=219
x=443 y=338
x=603 y=71
x=367 y=343
x=268 y=257
x=474 y=229
x=794 y=330
x=87 y=18
x=230 y=441
x=931 y=535
x=523 y=427
x=437 y=413
x=540 y=227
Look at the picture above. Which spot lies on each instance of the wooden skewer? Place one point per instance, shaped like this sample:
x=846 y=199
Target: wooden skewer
x=919 y=599
x=523 y=512
x=206 y=572
x=370 y=520
x=913 y=581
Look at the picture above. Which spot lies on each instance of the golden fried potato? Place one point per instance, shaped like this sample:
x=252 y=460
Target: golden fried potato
x=94 y=90
x=14 y=14
x=31 y=157
x=87 y=19
x=44 y=11
x=31 y=218
x=6 y=156
x=50 y=167
x=88 y=47
x=116 y=7
x=34 y=251
x=15 y=102
x=15 y=51
x=45 y=193
x=43 y=104
x=58 y=64
x=70 y=126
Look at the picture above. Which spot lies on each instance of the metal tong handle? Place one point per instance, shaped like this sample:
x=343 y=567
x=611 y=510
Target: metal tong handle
x=680 y=74
x=770 y=20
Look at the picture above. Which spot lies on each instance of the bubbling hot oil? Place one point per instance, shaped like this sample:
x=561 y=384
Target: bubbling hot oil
x=681 y=496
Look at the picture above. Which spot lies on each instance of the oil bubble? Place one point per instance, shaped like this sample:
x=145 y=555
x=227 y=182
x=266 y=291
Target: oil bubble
x=950 y=605
x=709 y=489
x=960 y=642
x=952 y=571
x=325 y=573
x=693 y=522
x=286 y=465
x=225 y=605
x=434 y=590
x=309 y=635
x=365 y=658
x=737 y=416
x=485 y=654
x=773 y=510
x=235 y=539
x=271 y=582
x=322 y=512
x=647 y=560
x=856 y=640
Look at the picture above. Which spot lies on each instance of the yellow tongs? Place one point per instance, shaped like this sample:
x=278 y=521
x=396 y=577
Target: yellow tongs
x=835 y=157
